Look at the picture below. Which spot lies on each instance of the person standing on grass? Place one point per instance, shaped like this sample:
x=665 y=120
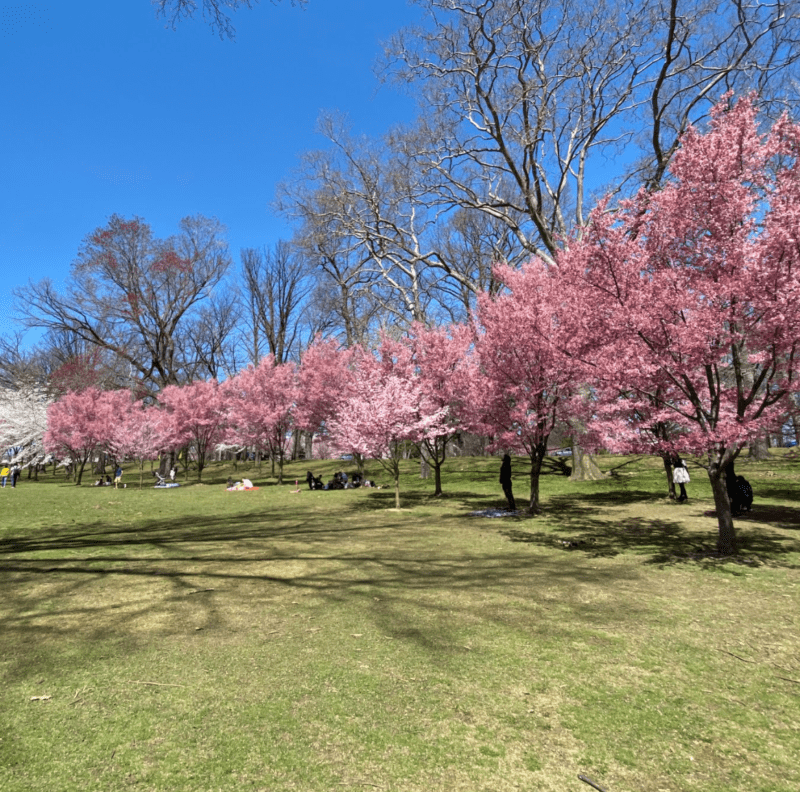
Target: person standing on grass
x=4 y=473
x=681 y=478
x=15 y=471
x=505 y=480
x=117 y=477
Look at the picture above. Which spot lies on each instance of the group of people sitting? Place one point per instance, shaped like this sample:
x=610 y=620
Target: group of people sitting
x=340 y=480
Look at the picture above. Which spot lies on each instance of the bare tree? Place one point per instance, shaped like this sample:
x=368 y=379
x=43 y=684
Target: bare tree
x=373 y=201
x=215 y=11
x=133 y=295
x=277 y=284
x=349 y=294
x=208 y=343
x=524 y=103
x=472 y=243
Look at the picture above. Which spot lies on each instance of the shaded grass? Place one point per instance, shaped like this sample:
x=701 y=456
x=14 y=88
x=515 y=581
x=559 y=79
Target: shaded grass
x=197 y=639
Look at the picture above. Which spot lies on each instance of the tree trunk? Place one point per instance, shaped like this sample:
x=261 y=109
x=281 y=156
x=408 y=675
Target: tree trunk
x=726 y=539
x=437 y=478
x=584 y=468
x=424 y=467
x=279 y=454
x=536 y=469
x=309 y=440
x=759 y=448
x=397 y=489
x=80 y=472
x=668 y=471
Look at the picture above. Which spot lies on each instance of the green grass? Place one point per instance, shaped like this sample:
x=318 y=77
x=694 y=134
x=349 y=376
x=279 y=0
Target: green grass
x=194 y=639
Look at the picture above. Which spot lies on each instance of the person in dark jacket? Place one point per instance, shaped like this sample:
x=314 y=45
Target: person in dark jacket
x=505 y=481
x=740 y=493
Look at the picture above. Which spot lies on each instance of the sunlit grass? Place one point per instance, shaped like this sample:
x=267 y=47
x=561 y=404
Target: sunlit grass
x=194 y=639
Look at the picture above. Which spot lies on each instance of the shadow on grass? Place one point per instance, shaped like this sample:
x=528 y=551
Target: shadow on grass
x=778 y=492
x=383 y=499
x=581 y=527
x=159 y=579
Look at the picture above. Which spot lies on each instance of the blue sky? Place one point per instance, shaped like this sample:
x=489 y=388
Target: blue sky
x=107 y=111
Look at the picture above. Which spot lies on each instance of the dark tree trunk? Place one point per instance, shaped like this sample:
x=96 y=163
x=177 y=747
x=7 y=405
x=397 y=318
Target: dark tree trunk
x=79 y=472
x=726 y=538
x=537 y=456
x=437 y=479
x=668 y=471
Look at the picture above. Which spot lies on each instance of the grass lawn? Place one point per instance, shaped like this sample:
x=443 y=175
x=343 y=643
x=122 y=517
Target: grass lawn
x=194 y=639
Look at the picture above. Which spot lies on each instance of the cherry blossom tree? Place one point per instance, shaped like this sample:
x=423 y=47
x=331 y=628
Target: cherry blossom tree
x=445 y=371
x=138 y=432
x=323 y=378
x=259 y=405
x=624 y=423
x=525 y=340
x=195 y=416
x=385 y=407
x=694 y=291
x=79 y=425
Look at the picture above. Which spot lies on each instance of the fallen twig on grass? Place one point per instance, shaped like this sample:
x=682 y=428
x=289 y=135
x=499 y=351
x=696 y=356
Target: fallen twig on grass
x=725 y=651
x=160 y=684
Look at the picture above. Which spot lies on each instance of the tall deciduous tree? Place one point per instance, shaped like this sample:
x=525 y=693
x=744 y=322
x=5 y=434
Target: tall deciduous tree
x=277 y=284
x=523 y=102
x=694 y=290
x=134 y=295
x=215 y=11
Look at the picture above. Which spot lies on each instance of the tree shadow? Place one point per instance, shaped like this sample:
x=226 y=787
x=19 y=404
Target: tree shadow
x=101 y=583
x=582 y=528
x=777 y=492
